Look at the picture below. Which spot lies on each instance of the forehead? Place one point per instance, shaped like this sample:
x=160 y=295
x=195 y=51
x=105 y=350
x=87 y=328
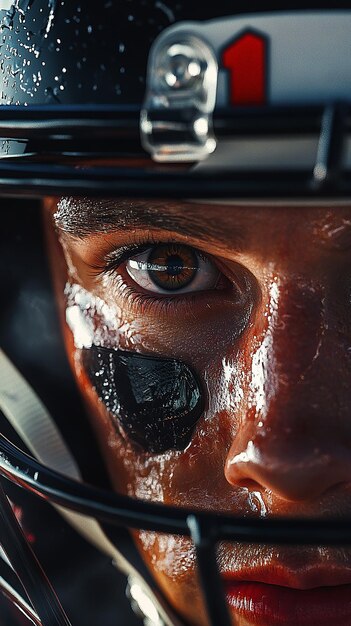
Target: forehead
x=329 y=226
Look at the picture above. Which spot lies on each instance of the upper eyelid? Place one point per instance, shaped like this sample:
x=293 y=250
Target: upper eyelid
x=121 y=254
x=107 y=254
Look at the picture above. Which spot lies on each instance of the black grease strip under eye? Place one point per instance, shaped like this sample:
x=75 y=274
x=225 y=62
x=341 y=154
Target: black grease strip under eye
x=157 y=401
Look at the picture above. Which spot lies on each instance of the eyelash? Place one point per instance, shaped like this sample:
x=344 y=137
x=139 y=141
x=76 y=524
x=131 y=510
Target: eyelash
x=115 y=259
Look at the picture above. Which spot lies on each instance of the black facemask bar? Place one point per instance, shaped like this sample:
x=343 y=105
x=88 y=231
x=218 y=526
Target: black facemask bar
x=205 y=529
x=23 y=560
x=57 y=135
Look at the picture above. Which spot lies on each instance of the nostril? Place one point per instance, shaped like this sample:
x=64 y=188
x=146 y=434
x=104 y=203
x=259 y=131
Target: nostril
x=249 y=484
x=290 y=474
x=238 y=471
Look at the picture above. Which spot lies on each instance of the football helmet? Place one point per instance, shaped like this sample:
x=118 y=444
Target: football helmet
x=153 y=100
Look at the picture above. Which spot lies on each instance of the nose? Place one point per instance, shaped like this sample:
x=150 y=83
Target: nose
x=294 y=437
x=299 y=475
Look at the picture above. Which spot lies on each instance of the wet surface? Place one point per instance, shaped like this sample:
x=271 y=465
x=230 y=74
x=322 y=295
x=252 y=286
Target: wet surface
x=156 y=401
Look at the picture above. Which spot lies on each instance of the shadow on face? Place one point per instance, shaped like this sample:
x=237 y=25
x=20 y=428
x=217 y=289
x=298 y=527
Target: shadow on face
x=253 y=303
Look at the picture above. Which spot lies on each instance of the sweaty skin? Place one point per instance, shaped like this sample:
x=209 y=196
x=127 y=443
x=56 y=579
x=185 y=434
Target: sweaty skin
x=270 y=341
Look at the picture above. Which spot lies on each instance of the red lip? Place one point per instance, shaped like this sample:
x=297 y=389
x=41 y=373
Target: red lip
x=280 y=574
x=262 y=604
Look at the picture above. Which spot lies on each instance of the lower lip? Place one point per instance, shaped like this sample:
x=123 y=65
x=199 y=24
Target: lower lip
x=271 y=605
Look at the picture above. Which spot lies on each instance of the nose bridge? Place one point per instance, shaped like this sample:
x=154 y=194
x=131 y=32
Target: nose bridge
x=297 y=328
x=286 y=440
x=286 y=350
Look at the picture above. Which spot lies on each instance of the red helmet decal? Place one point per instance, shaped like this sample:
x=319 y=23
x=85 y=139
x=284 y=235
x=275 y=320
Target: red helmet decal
x=246 y=61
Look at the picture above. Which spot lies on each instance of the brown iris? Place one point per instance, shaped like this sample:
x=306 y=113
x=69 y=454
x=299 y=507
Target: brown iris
x=172 y=266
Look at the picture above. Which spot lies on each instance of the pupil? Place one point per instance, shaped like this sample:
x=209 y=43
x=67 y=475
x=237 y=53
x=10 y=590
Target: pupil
x=175 y=265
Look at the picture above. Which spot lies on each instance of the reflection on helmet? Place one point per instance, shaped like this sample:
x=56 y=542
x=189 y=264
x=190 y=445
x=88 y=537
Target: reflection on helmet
x=160 y=100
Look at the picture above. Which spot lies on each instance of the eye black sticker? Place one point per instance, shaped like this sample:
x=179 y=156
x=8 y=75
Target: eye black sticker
x=157 y=401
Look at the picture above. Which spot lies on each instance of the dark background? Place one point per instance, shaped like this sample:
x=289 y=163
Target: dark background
x=89 y=587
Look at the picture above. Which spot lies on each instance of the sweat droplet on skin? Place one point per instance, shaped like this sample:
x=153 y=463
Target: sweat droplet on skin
x=90 y=319
x=80 y=326
x=263 y=360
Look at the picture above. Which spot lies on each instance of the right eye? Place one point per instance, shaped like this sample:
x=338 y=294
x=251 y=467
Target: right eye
x=172 y=268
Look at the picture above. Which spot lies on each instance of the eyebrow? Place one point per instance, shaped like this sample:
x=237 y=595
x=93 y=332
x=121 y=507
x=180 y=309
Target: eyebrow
x=85 y=217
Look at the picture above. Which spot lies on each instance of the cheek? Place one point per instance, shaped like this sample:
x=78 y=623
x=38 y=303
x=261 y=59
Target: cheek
x=169 y=555
x=173 y=564
x=94 y=322
x=191 y=477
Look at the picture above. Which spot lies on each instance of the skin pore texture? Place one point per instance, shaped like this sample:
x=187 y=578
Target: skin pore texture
x=268 y=334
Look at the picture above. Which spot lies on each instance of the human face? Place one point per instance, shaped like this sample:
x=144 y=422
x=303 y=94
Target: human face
x=267 y=334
